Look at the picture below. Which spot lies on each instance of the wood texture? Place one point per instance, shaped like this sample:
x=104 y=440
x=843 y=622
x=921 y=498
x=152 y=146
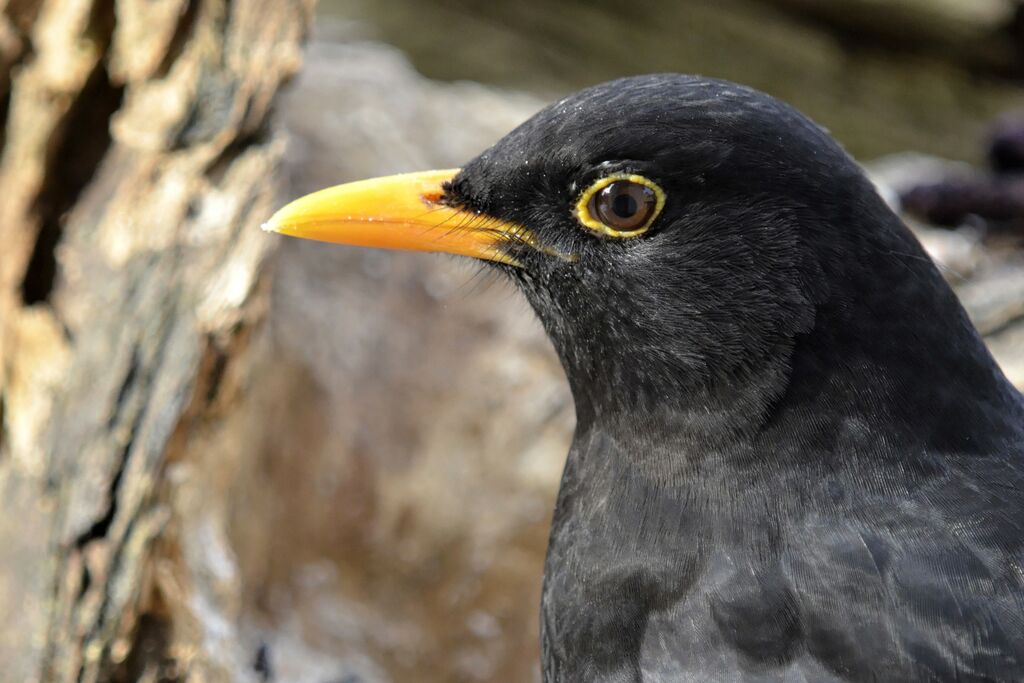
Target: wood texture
x=137 y=164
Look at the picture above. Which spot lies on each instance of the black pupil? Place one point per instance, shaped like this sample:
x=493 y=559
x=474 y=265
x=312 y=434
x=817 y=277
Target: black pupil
x=624 y=205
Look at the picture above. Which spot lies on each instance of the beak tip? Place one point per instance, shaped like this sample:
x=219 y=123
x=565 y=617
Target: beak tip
x=274 y=224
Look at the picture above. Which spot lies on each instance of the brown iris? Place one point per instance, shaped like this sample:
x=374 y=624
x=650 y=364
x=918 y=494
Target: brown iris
x=623 y=205
x=620 y=205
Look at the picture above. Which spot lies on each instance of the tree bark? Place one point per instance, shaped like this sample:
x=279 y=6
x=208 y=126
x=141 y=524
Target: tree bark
x=137 y=163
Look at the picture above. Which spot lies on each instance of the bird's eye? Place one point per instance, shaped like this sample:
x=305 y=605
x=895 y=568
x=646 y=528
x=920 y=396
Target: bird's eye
x=620 y=205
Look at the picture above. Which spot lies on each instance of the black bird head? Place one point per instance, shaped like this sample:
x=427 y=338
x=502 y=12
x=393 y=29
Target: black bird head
x=679 y=237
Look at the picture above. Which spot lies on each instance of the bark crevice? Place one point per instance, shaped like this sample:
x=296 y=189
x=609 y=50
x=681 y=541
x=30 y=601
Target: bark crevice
x=74 y=163
x=126 y=264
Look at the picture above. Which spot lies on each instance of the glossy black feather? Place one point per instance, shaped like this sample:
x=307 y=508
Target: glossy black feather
x=795 y=459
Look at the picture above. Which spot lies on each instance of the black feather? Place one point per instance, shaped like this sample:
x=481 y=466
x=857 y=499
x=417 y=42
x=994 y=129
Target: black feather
x=795 y=459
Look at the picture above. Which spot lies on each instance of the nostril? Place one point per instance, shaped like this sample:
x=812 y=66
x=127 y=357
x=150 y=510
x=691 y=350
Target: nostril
x=432 y=197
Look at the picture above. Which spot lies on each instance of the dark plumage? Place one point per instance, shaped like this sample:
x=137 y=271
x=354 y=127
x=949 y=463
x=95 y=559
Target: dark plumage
x=795 y=459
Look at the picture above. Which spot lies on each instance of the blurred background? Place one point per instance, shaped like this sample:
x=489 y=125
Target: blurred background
x=227 y=456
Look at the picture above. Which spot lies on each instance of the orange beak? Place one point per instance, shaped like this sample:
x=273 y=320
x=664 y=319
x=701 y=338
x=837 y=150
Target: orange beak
x=397 y=212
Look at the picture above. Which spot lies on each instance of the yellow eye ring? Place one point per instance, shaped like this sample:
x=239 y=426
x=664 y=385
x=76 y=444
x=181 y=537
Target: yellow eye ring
x=622 y=183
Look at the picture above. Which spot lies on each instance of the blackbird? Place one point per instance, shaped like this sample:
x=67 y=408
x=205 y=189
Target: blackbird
x=794 y=459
